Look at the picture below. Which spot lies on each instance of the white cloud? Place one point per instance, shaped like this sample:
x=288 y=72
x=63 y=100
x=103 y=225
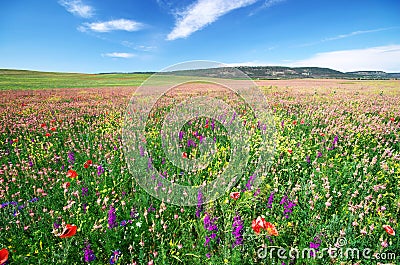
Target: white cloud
x=383 y=58
x=118 y=55
x=78 y=8
x=144 y=48
x=269 y=3
x=203 y=13
x=266 y=4
x=107 y=26
x=343 y=36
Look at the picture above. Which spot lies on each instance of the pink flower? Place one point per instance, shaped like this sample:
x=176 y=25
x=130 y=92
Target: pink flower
x=384 y=244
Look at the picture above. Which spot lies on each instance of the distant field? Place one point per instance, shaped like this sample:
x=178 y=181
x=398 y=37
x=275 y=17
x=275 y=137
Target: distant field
x=33 y=80
x=21 y=80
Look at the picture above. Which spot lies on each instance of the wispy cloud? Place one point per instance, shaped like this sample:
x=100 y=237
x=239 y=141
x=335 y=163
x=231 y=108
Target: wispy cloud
x=107 y=26
x=384 y=58
x=78 y=8
x=144 y=48
x=203 y=13
x=348 y=35
x=266 y=4
x=124 y=55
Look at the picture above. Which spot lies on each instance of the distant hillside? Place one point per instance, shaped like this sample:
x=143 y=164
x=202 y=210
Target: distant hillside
x=25 y=79
x=282 y=72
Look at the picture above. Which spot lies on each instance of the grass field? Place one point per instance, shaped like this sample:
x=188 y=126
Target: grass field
x=67 y=196
x=20 y=79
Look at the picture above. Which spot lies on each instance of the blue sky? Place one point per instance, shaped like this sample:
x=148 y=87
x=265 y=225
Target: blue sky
x=148 y=35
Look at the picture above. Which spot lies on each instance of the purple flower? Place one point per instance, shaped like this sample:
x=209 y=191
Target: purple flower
x=270 y=200
x=315 y=246
x=114 y=256
x=287 y=205
x=319 y=154
x=150 y=164
x=201 y=138
x=151 y=209
x=209 y=224
x=250 y=182
x=141 y=150
x=71 y=157
x=207 y=242
x=181 y=135
x=199 y=204
x=88 y=253
x=84 y=191
x=56 y=225
x=30 y=163
x=237 y=230
x=308 y=160
x=34 y=199
x=123 y=223
x=100 y=170
x=112 y=218
x=335 y=140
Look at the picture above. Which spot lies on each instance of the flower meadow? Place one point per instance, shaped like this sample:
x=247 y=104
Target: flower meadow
x=67 y=197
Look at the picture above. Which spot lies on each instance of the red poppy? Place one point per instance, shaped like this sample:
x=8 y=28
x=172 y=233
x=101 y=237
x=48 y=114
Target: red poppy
x=271 y=229
x=87 y=163
x=43 y=125
x=294 y=122
x=184 y=155
x=69 y=230
x=322 y=134
x=52 y=121
x=53 y=129
x=258 y=224
x=48 y=134
x=72 y=174
x=302 y=121
x=206 y=126
x=391 y=119
x=235 y=195
x=290 y=151
x=3 y=256
x=389 y=230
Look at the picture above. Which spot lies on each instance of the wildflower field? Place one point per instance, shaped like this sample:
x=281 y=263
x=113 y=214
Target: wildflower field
x=67 y=196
